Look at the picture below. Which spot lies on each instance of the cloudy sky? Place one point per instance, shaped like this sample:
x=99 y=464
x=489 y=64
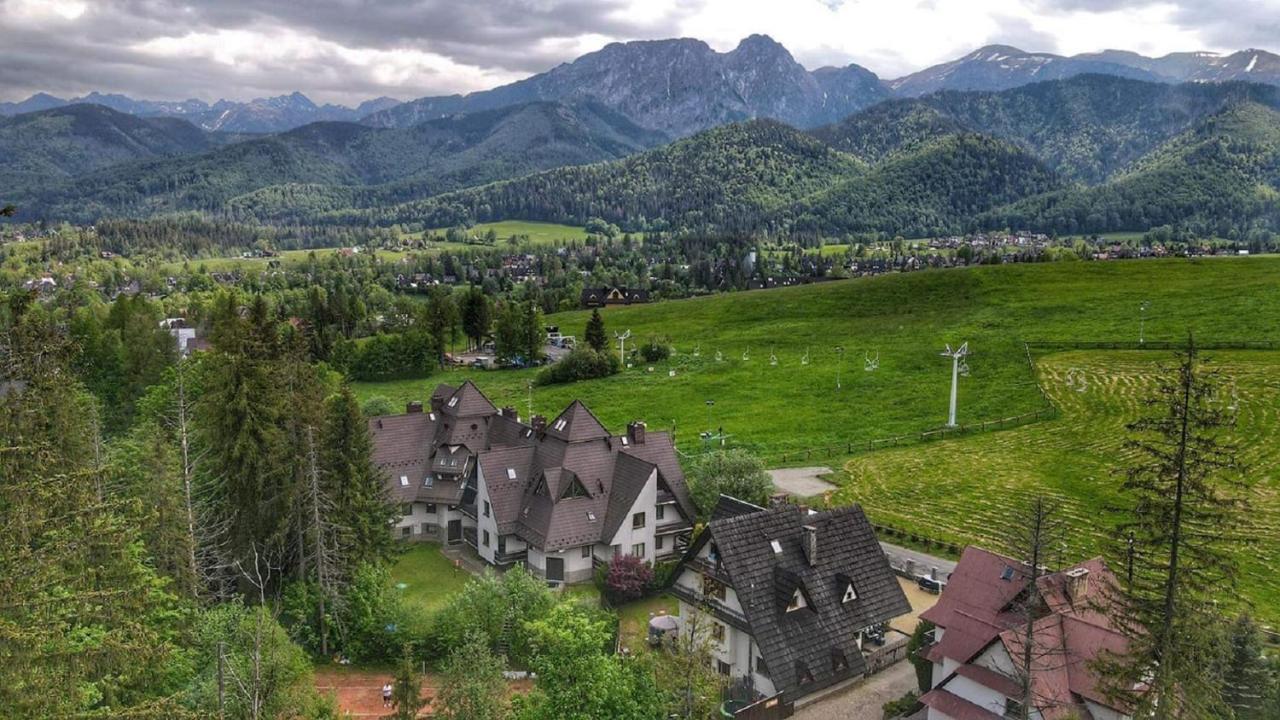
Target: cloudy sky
x=351 y=50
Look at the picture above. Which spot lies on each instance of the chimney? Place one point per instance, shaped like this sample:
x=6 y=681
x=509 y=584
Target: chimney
x=510 y=412
x=635 y=431
x=437 y=403
x=1077 y=584
x=539 y=423
x=809 y=537
x=414 y=406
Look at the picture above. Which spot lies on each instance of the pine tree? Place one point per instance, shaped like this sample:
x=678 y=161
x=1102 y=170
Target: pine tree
x=596 y=338
x=1183 y=518
x=355 y=485
x=406 y=694
x=1247 y=678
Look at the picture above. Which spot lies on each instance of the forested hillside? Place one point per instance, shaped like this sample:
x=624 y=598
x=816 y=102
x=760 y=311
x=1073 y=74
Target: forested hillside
x=422 y=160
x=52 y=145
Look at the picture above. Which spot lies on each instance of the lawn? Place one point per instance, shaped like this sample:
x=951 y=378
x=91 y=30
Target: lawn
x=965 y=490
x=903 y=320
x=429 y=578
x=633 y=618
x=539 y=233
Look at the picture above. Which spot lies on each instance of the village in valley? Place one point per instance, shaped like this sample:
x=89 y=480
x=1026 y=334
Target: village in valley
x=605 y=360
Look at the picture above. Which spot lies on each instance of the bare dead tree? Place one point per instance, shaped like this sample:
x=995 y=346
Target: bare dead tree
x=326 y=543
x=1036 y=531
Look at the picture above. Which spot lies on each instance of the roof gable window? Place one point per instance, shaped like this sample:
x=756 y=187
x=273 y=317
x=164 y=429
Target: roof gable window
x=839 y=661
x=575 y=489
x=803 y=676
x=849 y=594
x=797 y=601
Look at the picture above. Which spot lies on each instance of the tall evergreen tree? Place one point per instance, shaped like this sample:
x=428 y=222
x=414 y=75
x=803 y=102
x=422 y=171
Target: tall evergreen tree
x=596 y=337
x=356 y=486
x=1183 y=516
x=1247 y=677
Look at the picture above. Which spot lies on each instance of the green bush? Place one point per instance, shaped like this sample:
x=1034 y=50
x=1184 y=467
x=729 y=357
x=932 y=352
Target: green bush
x=580 y=364
x=655 y=350
x=903 y=706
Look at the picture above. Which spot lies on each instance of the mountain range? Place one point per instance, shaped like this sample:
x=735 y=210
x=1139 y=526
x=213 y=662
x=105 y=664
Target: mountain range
x=671 y=135
x=682 y=86
x=262 y=115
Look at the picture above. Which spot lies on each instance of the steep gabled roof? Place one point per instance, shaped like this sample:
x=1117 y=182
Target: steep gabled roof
x=766 y=579
x=468 y=402
x=577 y=424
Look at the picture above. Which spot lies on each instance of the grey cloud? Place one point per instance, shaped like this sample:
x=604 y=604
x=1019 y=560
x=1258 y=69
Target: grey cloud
x=508 y=37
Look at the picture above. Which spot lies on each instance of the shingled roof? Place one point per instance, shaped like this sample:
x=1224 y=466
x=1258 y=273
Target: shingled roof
x=979 y=609
x=800 y=644
x=570 y=485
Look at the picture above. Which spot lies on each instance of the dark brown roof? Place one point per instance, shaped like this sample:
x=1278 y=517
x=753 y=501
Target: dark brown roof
x=765 y=580
x=578 y=462
x=954 y=706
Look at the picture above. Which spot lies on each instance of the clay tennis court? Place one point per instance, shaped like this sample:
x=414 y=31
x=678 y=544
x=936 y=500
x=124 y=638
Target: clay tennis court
x=359 y=692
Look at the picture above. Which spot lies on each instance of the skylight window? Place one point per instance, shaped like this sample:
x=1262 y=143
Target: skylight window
x=453 y=402
x=404 y=481
x=1007 y=575
x=591 y=516
x=428 y=481
x=560 y=424
x=777 y=547
x=624 y=440
x=432 y=416
x=511 y=473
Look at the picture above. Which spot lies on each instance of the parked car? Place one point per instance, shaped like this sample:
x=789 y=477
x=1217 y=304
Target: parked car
x=930 y=585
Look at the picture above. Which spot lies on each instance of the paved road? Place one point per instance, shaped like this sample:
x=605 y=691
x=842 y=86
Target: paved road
x=865 y=700
x=898 y=556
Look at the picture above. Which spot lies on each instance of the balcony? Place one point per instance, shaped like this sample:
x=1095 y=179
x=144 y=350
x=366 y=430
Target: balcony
x=469 y=536
x=468 y=510
x=672 y=526
x=715 y=607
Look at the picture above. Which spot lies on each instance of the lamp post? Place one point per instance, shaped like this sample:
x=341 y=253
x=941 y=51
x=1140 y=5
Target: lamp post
x=956 y=356
x=1142 y=322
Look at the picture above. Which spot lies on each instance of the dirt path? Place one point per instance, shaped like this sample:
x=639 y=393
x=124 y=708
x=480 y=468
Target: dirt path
x=865 y=700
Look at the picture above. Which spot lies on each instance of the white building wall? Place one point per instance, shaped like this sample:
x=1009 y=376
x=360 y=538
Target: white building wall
x=577 y=569
x=485 y=524
x=422 y=525
x=977 y=694
x=645 y=502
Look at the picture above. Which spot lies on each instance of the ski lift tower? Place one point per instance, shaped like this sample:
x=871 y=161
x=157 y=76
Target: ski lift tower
x=957 y=356
x=622 y=345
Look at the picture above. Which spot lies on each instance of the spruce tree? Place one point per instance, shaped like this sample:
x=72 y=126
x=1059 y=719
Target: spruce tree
x=596 y=338
x=1247 y=680
x=406 y=693
x=356 y=486
x=1183 y=517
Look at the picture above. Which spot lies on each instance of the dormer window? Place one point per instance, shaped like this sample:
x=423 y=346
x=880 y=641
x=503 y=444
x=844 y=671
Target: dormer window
x=849 y=594
x=797 y=601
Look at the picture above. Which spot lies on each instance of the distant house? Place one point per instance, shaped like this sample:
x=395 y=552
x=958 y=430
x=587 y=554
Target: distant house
x=979 y=641
x=560 y=496
x=601 y=296
x=792 y=594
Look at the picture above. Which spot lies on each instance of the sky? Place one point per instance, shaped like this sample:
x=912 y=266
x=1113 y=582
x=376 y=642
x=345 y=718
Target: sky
x=346 y=51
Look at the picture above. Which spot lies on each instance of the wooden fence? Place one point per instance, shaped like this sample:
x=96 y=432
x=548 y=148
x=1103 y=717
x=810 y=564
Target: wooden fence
x=888 y=655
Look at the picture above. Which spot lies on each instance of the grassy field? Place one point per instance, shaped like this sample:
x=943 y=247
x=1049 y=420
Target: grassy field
x=633 y=618
x=539 y=233
x=964 y=490
x=905 y=320
x=291 y=257
x=429 y=578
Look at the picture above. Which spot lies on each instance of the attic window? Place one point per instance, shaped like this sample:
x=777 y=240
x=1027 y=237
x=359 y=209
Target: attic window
x=528 y=432
x=432 y=416
x=1007 y=575
x=838 y=660
x=560 y=424
x=797 y=601
x=777 y=547
x=575 y=489
x=404 y=481
x=803 y=676
x=591 y=516
x=453 y=402
x=511 y=473
x=525 y=513
x=624 y=440
x=849 y=594
x=428 y=481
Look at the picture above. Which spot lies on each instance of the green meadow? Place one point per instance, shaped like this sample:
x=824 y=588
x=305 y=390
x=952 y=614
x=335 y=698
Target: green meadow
x=954 y=490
